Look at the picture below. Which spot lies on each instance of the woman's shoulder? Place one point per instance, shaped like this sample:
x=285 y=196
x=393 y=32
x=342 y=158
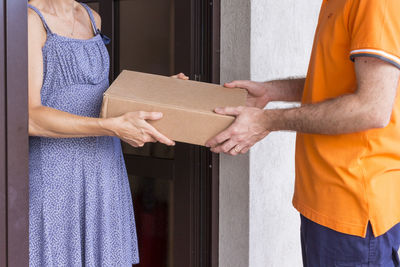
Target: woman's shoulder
x=33 y=16
x=35 y=26
x=96 y=16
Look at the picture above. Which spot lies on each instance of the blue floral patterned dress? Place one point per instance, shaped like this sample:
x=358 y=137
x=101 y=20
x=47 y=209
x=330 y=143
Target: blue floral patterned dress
x=80 y=210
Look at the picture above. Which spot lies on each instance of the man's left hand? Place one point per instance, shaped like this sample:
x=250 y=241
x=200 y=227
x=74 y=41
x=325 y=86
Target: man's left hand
x=248 y=128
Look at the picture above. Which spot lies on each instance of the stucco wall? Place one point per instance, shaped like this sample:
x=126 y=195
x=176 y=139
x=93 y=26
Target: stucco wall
x=234 y=175
x=281 y=40
x=262 y=40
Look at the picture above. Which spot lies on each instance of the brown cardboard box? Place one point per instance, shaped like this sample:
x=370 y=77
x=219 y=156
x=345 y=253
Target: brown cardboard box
x=187 y=106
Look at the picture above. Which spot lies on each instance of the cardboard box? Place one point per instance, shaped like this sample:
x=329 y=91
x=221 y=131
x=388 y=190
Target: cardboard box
x=187 y=106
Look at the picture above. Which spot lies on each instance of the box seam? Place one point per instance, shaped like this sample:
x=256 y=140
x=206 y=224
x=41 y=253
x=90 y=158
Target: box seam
x=108 y=96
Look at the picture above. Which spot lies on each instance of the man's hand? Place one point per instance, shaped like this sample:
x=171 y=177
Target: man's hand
x=248 y=129
x=261 y=93
x=258 y=95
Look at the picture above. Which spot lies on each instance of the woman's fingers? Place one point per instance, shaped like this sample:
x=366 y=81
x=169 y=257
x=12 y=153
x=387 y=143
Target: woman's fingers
x=181 y=76
x=142 y=132
x=153 y=116
x=154 y=135
x=159 y=136
x=130 y=142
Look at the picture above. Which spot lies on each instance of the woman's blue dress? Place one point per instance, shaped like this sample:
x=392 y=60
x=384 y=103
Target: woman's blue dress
x=80 y=210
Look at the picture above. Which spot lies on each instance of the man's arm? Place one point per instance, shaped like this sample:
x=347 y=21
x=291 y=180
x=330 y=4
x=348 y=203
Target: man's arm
x=260 y=93
x=290 y=90
x=370 y=106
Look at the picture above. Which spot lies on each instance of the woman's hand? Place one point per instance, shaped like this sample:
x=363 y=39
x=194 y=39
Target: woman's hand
x=258 y=92
x=133 y=128
x=180 y=76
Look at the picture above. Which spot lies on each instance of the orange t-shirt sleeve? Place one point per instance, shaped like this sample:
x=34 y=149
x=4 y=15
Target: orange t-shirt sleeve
x=374 y=29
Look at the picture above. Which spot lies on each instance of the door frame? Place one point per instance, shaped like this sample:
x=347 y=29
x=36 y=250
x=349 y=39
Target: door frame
x=14 y=173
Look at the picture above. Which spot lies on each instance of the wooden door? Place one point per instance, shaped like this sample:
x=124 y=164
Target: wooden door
x=14 y=238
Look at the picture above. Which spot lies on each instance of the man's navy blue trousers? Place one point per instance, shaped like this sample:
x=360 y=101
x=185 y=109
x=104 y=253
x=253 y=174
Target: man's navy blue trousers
x=324 y=247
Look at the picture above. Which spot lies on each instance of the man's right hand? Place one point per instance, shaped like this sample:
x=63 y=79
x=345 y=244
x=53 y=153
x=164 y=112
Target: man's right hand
x=258 y=92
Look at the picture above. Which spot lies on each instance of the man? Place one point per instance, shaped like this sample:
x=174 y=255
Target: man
x=348 y=143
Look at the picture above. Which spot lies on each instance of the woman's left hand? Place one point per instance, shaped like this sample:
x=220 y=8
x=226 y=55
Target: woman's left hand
x=180 y=76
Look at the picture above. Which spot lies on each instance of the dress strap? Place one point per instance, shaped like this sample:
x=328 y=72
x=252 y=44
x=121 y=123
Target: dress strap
x=89 y=11
x=42 y=18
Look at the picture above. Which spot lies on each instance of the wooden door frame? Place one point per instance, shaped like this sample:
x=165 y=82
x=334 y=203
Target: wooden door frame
x=14 y=181
x=3 y=162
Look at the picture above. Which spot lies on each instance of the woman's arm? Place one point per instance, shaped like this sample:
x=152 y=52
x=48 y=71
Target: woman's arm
x=48 y=122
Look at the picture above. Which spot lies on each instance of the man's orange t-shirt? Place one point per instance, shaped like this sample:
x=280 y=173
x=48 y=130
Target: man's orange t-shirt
x=345 y=181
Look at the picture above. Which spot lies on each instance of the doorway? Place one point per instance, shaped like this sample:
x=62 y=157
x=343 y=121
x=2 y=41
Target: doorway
x=175 y=190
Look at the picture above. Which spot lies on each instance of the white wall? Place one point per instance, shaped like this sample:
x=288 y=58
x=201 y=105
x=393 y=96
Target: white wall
x=234 y=174
x=279 y=41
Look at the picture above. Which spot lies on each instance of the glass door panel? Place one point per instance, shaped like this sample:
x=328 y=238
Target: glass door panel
x=153 y=202
x=145 y=43
x=146 y=36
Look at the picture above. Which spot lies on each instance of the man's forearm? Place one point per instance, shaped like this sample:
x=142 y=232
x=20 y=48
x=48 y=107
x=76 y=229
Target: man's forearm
x=345 y=114
x=285 y=90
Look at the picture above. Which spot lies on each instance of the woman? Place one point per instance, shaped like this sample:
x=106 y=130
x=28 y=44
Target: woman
x=81 y=210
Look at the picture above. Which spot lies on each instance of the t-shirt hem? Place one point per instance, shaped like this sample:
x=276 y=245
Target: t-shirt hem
x=324 y=220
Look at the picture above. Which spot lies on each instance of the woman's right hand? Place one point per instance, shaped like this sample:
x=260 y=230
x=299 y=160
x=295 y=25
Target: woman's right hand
x=133 y=128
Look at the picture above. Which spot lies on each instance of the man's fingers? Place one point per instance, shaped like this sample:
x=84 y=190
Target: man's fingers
x=219 y=139
x=237 y=84
x=245 y=150
x=159 y=136
x=225 y=147
x=234 y=111
x=233 y=152
x=150 y=115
